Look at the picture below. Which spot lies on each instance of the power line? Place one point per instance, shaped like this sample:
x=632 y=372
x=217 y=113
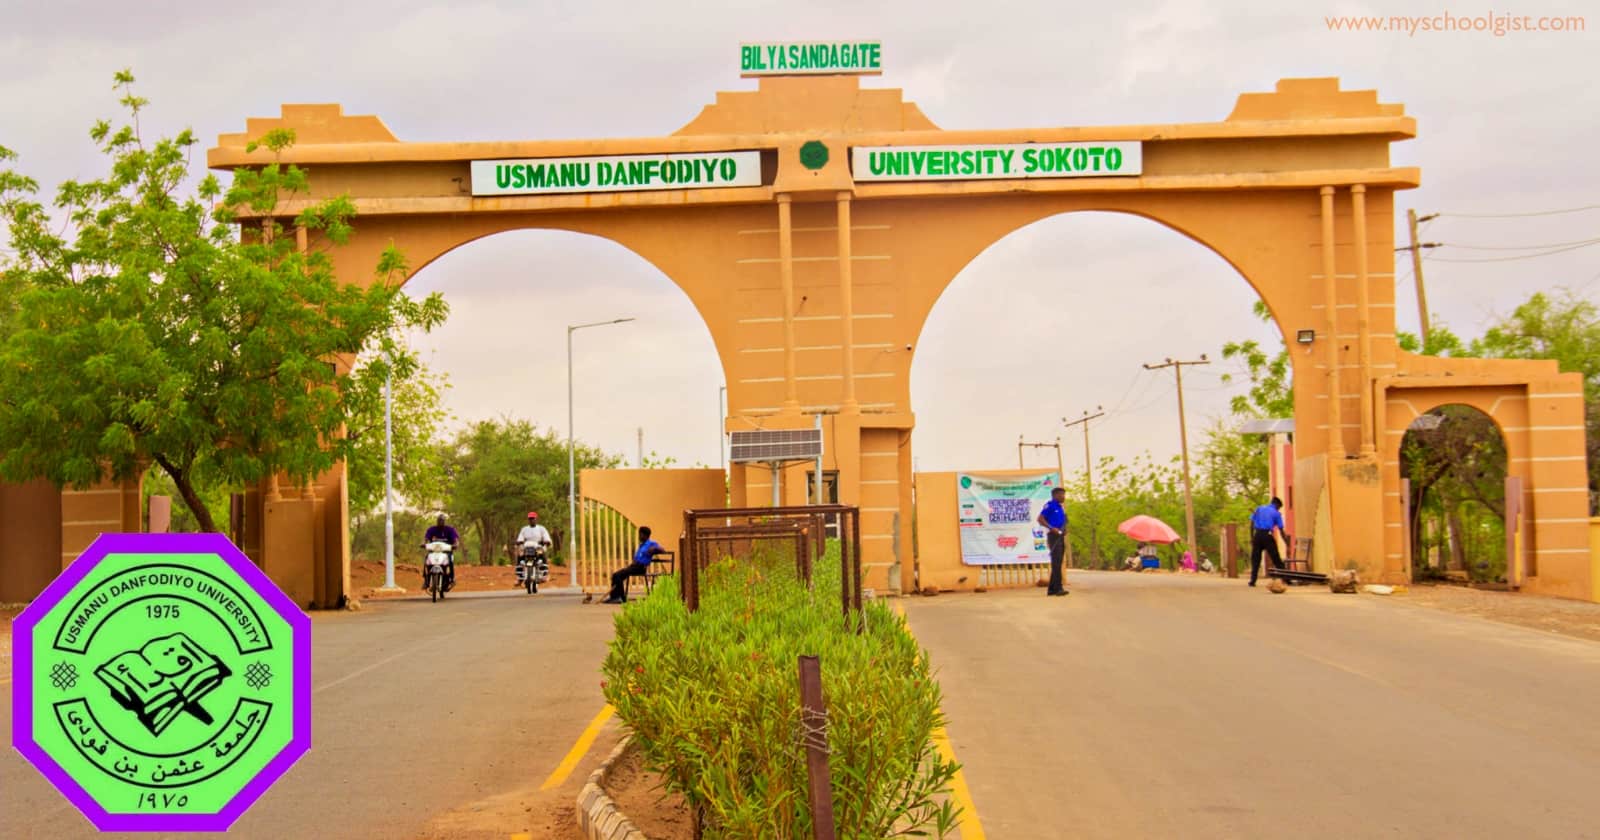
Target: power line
x=1521 y=215
x=1518 y=256
x=1574 y=243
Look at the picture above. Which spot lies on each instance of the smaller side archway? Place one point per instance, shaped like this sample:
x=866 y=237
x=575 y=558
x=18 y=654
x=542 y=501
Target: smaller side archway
x=1454 y=466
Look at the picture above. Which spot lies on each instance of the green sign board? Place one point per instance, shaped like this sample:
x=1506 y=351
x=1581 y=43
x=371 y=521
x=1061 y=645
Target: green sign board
x=811 y=58
x=1007 y=160
x=163 y=682
x=616 y=173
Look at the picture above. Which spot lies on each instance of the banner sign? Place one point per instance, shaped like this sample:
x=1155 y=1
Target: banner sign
x=618 y=173
x=163 y=683
x=811 y=58
x=1004 y=160
x=997 y=518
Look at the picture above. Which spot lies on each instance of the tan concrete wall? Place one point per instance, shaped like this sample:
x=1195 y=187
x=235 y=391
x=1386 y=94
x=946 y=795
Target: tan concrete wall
x=939 y=535
x=1594 y=558
x=30 y=526
x=654 y=498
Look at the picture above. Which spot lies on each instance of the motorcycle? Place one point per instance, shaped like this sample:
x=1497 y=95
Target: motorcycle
x=533 y=567
x=439 y=559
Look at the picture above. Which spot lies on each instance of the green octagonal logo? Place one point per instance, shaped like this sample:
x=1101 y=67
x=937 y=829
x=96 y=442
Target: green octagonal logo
x=162 y=682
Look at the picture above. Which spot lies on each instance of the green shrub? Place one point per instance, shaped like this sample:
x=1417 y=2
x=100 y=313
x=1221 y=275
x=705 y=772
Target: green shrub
x=713 y=701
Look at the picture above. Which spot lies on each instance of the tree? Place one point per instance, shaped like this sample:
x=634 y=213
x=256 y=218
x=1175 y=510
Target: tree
x=1271 y=392
x=418 y=419
x=503 y=469
x=183 y=326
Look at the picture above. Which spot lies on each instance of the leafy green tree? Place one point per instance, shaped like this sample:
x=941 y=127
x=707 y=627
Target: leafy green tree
x=1271 y=392
x=501 y=469
x=183 y=326
x=418 y=419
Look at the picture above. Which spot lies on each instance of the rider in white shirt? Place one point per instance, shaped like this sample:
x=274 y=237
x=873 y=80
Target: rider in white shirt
x=532 y=533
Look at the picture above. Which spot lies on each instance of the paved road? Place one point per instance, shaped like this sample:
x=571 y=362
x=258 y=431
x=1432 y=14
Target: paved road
x=513 y=681
x=1163 y=706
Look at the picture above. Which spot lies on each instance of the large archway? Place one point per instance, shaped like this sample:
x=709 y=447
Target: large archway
x=813 y=274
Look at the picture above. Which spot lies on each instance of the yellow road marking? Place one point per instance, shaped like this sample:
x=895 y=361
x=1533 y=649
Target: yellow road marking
x=971 y=827
x=579 y=749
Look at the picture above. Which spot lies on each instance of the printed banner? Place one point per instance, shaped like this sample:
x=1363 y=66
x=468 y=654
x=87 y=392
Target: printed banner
x=997 y=517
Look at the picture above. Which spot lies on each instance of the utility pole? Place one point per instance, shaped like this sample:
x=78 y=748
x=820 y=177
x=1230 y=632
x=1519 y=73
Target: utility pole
x=1183 y=438
x=1061 y=474
x=1088 y=480
x=641 y=447
x=1416 y=267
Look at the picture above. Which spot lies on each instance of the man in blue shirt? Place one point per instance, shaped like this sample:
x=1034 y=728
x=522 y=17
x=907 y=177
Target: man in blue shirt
x=1053 y=517
x=442 y=533
x=647 y=549
x=1266 y=521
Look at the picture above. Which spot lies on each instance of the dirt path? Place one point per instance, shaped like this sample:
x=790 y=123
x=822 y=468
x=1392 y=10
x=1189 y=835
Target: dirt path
x=1579 y=619
x=367 y=575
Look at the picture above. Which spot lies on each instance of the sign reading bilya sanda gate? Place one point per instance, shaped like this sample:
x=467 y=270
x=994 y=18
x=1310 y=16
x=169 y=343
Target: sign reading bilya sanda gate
x=811 y=58
x=678 y=171
x=1008 y=160
x=163 y=683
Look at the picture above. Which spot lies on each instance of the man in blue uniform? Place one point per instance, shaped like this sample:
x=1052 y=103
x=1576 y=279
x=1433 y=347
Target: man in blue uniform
x=1053 y=517
x=1264 y=522
x=647 y=550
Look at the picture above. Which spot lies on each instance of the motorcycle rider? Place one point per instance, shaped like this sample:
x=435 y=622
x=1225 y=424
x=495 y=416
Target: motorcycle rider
x=532 y=534
x=442 y=532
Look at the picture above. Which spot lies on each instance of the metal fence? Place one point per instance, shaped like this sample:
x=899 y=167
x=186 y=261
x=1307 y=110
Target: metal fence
x=736 y=532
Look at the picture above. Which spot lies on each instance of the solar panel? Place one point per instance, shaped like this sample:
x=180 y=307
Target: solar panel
x=775 y=445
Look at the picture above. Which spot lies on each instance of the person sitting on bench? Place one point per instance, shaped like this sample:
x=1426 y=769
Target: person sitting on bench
x=642 y=556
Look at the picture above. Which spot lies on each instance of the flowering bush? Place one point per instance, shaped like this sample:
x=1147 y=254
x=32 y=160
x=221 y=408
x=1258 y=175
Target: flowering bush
x=713 y=701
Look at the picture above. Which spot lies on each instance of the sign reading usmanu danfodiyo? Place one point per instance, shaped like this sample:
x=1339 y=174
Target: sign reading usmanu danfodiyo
x=1009 y=160
x=811 y=58
x=617 y=173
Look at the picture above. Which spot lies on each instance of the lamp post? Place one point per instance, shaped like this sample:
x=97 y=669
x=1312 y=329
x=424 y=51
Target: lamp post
x=388 y=483
x=572 y=472
x=722 y=442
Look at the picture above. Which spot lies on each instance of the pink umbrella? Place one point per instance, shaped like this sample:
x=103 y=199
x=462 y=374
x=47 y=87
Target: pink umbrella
x=1148 y=529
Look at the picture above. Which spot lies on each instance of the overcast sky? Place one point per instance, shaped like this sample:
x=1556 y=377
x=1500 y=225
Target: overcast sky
x=1507 y=125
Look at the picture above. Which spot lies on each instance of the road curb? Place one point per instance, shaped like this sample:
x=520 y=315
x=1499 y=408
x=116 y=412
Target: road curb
x=598 y=816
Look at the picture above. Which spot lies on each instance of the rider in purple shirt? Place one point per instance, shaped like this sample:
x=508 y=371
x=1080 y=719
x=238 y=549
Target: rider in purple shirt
x=442 y=533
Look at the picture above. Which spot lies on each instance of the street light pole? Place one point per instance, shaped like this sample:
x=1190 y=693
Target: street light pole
x=1183 y=438
x=388 y=482
x=572 y=471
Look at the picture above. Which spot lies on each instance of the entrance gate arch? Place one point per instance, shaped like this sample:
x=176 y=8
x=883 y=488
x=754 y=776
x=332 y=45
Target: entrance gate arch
x=815 y=282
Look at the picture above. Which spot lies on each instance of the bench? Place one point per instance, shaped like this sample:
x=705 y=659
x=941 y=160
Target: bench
x=662 y=564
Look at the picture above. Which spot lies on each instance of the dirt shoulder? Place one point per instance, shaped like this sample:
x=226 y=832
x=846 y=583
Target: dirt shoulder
x=1579 y=619
x=367 y=575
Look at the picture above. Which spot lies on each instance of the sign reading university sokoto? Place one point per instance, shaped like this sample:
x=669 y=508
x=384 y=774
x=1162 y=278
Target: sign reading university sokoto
x=162 y=682
x=691 y=171
x=811 y=58
x=1013 y=160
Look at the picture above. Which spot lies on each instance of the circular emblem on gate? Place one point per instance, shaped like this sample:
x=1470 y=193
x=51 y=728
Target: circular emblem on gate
x=163 y=682
x=814 y=155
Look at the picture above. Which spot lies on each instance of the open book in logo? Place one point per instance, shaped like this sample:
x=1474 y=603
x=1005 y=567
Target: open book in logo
x=163 y=679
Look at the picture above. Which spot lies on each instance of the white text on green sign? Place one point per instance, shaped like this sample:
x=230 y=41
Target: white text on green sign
x=620 y=173
x=1014 y=160
x=811 y=58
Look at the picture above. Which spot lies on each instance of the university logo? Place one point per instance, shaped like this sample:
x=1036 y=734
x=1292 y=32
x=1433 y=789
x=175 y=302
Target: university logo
x=162 y=682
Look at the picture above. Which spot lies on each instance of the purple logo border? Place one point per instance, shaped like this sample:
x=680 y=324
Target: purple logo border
x=22 y=678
